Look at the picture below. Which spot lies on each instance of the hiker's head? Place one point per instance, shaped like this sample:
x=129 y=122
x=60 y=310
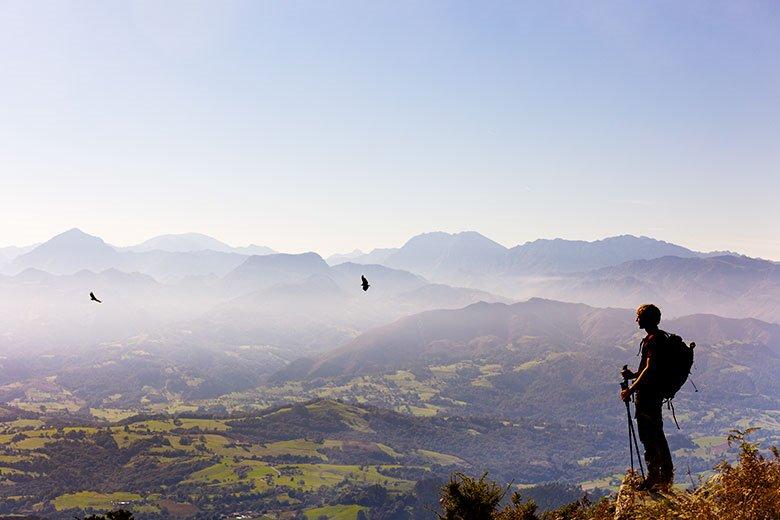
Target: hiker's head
x=648 y=316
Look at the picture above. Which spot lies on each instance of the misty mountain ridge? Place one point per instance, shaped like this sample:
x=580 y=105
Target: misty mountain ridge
x=339 y=258
x=258 y=272
x=9 y=253
x=540 y=358
x=735 y=286
x=570 y=324
x=205 y=289
x=324 y=307
x=74 y=250
x=190 y=242
x=557 y=256
x=167 y=257
x=616 y=271
x=469 y=258
x=291 y=301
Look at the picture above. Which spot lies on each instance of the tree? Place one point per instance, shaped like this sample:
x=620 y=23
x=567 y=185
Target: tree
x=464 y=498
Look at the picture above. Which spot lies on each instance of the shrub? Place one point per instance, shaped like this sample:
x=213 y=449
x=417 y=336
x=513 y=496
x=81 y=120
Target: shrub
x=746 y=490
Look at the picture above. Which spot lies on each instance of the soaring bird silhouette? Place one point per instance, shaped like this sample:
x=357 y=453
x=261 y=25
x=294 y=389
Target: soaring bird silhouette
x=365 y=283
x=92 y=297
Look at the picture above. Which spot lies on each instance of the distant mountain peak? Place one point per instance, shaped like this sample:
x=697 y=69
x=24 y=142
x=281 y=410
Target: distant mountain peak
x=282 y=257
x=72 y=238
x=443 y=236
x=72 y=231
x=344 y=257
x=74 y=234
x=194 y=242
x=181 y=243
x=68 y=253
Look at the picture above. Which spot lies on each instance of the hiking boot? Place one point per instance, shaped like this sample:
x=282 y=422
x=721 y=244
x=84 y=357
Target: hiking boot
x=666 y=479
x=654 y=476
x=648 y=484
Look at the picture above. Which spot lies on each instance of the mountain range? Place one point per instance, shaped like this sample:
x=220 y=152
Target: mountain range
x=438 y=256
x=168 y=257
x=441 y=255
x=294 y=302
x=299 y=302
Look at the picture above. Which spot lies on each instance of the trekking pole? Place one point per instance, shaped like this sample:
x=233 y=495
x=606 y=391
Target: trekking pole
x=636 y=444
x=624 y=386
x=632 y=442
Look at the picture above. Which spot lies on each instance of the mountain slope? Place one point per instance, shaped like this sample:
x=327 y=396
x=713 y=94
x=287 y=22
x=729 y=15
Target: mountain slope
x=9 y=253
x=260 y=272
x=448 y=335
x=541 y=358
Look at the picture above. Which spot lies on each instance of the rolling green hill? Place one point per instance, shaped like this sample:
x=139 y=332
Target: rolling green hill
x=300 y=457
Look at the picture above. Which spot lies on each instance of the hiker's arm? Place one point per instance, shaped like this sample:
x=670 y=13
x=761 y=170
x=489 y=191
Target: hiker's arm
x=625 y=394
x=642 y=375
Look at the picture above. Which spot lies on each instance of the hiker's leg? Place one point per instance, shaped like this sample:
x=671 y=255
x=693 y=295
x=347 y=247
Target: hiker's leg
x=648 y=421
x=665 y=459
x=663 y=473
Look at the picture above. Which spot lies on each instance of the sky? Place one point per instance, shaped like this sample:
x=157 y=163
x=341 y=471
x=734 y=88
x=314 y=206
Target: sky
x=330 y=126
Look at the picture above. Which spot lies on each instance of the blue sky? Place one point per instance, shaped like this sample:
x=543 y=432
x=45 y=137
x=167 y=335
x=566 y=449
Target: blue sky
x=333 y=125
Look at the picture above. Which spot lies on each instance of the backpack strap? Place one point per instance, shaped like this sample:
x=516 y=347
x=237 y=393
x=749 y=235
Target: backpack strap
x=670 y=406
x=642 y=343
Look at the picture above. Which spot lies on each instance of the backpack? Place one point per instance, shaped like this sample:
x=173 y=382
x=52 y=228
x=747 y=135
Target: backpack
x=676 y=361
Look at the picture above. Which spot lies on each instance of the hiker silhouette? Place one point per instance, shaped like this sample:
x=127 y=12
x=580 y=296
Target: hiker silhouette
x=648 y=399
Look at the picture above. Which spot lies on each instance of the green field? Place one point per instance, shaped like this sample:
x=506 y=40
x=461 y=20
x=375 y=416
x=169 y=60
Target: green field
x=440 y=458
x=85 y=499
x=334 y=512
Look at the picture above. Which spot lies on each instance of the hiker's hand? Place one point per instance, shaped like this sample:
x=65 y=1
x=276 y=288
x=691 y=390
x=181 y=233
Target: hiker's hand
x=625 y=394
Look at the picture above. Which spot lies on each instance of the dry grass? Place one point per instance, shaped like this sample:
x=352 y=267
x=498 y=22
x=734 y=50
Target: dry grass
x=746 y=490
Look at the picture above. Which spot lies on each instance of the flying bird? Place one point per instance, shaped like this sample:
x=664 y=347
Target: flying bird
x=365 y=283
x=92 y=297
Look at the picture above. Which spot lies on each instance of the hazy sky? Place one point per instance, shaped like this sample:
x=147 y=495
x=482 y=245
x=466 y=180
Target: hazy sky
x=333 y=125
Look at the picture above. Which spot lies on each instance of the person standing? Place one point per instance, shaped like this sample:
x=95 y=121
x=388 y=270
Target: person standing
x=649 y=402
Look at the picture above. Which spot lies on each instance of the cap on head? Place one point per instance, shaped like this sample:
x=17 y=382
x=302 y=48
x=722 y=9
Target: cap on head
x=649 y=314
